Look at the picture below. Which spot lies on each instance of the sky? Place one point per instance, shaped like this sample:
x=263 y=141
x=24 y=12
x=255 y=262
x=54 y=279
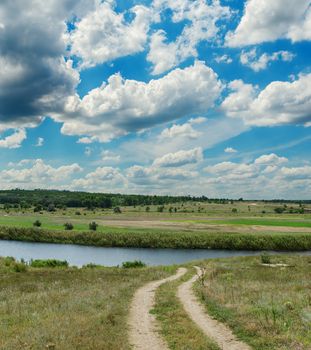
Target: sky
x=181 y=97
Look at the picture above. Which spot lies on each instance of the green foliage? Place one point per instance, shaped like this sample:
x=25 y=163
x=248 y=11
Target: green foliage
x=37 y=223
x=117 y=210
x=133 y=264
x=68 y=226
x=19 y=267
x=234 y=210
x=265 y=258
x=93 y=226
x=148 y=239
x=48 y=263
x=279 y=210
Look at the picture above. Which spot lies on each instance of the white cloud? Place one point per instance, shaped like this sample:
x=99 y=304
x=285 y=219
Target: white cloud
x=266 y=20
x=202 y=18
x=37 y=174
x=108 y=156
x=15 y=140
x=183 y=130
x=278 y=103
x=88 y=151
x=223 y=59
x=122 y=106
x=103 y=179
x=104 y=34
x=179 y=158
x=251 y=59
x=270 y=159
x=40 y=142
x=230 y=150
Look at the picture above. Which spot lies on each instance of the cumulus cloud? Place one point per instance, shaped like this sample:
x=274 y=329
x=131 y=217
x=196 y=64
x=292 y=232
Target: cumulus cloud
x=121 y=106
x=14 y=140
x=35 y=79
x=104 y=35
x=230 y=150
x=278 y=103
x=103 y=179
x=36 y=173
x=179 y=158
x=108 y=156
x=202 y=18
x=266 y=20
x=223 y=59
x=183 y=130
x=270 y=159
x=251 y=59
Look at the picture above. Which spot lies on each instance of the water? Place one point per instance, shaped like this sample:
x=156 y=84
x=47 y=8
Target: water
x=81 y=255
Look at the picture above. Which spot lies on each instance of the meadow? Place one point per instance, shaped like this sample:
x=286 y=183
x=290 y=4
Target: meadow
x=66 y=307
x=61 y=307
x=267 y=306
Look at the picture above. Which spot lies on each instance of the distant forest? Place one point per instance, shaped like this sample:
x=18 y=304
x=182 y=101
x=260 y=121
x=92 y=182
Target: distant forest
x=61 y=199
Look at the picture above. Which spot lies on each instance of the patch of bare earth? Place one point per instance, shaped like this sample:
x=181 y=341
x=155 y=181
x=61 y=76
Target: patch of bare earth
x=143 y=333
x=215 y=330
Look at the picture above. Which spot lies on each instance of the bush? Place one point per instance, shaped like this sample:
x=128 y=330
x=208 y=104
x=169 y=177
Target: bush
x=20 y=267
x=37 y=223
x=279 y=210
x=8 y=261
x=117 y=210
x=48 y=263
x=68 y=226
x=93 y=226
x=133 y=264
x=265 y=258
x=77 y=213
x=234 y=210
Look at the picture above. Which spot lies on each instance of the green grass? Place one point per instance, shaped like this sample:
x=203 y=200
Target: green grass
x=263 y=222
x=146 y=239
x=69 y=308
x=270 y=308
x=176 y=327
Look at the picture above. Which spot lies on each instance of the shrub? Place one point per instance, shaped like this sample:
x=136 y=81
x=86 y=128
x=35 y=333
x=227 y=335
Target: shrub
x=117 y=210
x=8 y=261
x=93 y=226
x=147 y=209
x=37 y=223
x=68 y=226
x=265 y=258
x=48 y=263
x=133 y=264
x=77 y=213
x=20 y=267
x=234 y=210
x=279 y=210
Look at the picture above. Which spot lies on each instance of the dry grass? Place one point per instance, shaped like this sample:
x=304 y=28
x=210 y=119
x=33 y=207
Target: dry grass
x=68 y=308
x=269 y=307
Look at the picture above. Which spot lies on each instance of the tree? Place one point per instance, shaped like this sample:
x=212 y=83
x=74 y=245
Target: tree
x=37 y=223
x=93 y=226
x=68 y=226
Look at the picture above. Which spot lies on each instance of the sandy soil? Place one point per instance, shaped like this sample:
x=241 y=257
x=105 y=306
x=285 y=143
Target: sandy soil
x=215 y=330
x=143 y=333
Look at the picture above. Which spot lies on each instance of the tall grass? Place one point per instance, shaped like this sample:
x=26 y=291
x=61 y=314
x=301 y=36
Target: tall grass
x=145 y=239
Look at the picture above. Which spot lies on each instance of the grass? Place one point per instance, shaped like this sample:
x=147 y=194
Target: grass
x=255 y=221
x=158 y=239
x=270 y=308
x=176 y=327
x=68 y=308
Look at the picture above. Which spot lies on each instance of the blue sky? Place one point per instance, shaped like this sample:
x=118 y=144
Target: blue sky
x=200 y=97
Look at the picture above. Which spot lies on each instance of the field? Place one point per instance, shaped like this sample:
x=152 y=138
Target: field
x=67 y=308
x=87 y=308
x=237 y=225
x=269 y=307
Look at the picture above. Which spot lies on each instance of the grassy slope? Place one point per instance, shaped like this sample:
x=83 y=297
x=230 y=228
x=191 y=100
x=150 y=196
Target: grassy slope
x=70 y=308
x=268 y=307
